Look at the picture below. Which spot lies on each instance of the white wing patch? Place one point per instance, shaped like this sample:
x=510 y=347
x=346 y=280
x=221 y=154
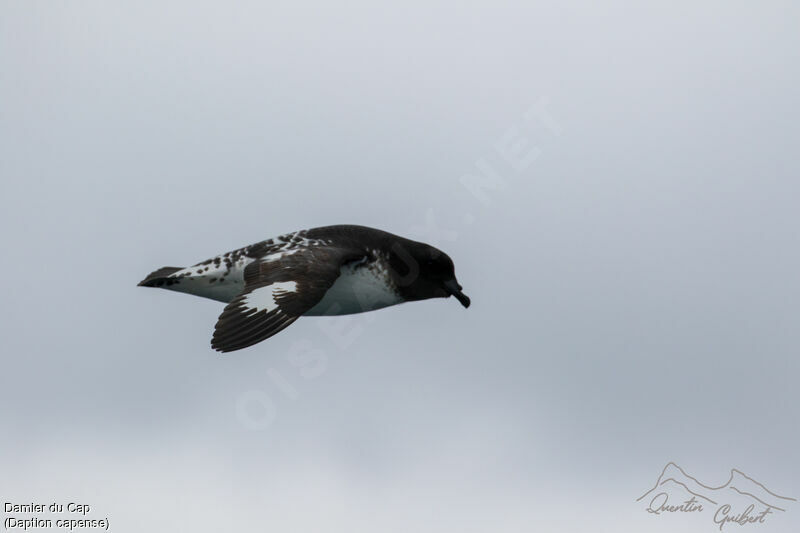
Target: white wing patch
x=263 y=298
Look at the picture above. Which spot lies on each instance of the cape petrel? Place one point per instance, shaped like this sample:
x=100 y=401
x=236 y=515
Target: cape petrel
x=332 y=270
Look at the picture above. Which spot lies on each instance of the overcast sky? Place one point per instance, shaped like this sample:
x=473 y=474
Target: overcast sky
x=617 y=186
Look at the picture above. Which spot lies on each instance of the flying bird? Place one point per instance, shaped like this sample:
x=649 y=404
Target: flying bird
x=332 y=270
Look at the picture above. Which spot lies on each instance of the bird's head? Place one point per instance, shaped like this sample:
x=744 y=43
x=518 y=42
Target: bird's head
x=422 y=271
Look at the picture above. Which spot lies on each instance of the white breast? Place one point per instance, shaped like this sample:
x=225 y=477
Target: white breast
x=359 y=288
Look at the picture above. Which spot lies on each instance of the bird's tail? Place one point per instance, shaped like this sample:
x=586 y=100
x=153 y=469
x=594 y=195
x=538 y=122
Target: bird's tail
x=160 y=277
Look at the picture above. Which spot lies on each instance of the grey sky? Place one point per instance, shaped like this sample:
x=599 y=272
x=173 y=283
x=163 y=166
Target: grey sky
x=634 y=280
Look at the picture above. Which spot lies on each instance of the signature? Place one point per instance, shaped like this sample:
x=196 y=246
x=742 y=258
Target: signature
x=741 y=500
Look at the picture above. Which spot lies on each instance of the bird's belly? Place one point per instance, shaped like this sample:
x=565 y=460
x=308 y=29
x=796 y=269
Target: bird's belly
x=357 y=289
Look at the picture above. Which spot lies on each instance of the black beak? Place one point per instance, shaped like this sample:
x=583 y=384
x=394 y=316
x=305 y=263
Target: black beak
x=452 y=287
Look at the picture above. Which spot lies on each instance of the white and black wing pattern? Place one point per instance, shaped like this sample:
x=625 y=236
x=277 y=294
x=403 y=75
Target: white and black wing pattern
x=278 y=288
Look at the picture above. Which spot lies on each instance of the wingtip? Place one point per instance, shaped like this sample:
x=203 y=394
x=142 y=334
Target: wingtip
x=219 y=348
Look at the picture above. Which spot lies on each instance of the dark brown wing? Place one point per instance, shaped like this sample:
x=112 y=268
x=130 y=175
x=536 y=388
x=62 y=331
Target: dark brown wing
x=278 y=289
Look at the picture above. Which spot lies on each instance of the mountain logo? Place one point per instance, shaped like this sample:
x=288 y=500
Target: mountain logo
x=741 y=500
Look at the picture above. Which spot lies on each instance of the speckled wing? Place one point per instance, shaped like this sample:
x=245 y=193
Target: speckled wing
x=278 y=288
